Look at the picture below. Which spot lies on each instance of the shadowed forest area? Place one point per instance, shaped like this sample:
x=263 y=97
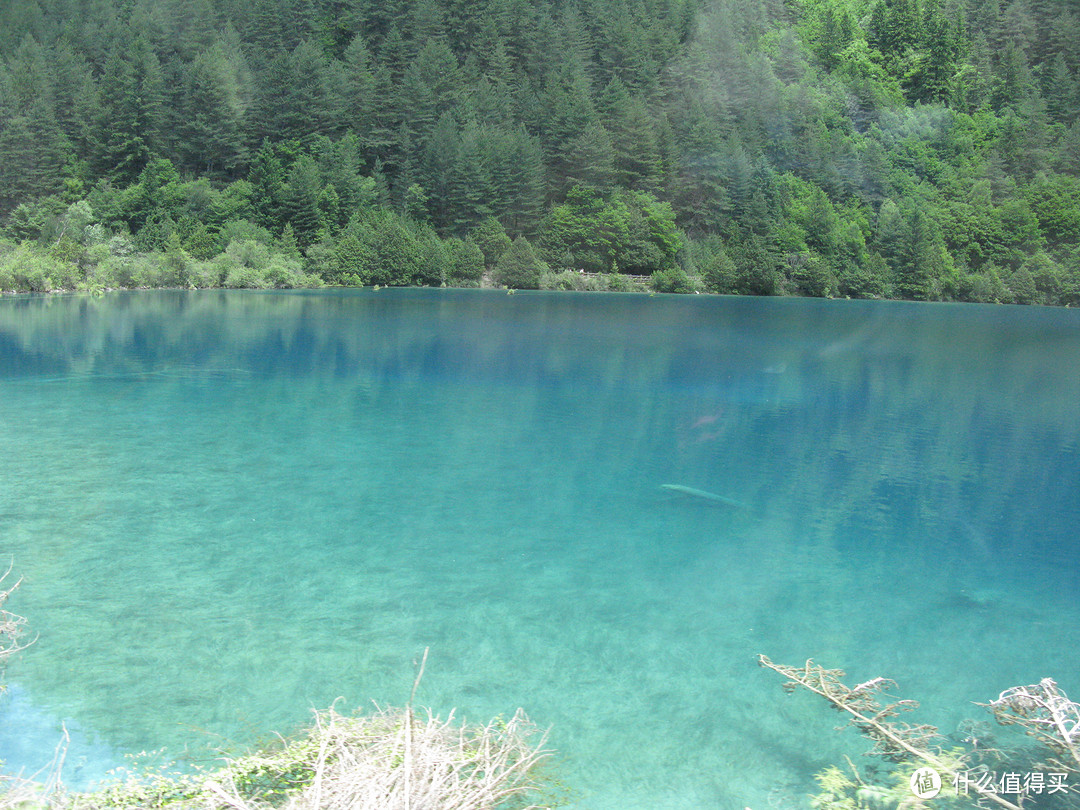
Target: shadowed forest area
x=921 y=149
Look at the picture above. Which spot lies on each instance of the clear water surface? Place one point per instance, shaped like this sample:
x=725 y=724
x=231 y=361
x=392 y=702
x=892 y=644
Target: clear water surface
x=233 y=507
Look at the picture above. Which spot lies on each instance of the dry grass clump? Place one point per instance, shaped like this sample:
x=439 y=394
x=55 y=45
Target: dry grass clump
x=393 y=760
x=390 y=760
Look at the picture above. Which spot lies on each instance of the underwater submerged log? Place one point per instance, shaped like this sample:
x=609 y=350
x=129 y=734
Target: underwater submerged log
x=708 y=496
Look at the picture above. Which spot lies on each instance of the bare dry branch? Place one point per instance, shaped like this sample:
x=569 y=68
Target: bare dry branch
x=361 y=764
x=1045 y=713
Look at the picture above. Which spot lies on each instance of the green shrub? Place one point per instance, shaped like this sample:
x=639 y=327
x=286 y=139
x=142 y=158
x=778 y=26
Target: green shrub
x=519 y=267
x=572 y=280
x=672 y=280
x=242 y=230
x=243 y=277
x=466 y=263
x=617 y=282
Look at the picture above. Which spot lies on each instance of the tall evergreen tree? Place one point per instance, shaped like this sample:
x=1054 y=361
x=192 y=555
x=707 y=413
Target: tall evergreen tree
x=129 y=123
x=218 y=93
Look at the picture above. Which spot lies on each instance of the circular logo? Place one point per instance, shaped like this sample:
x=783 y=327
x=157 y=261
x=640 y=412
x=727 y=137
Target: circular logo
x=925 y=783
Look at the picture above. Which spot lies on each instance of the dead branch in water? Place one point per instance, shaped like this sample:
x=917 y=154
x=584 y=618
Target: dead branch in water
x=894 y=740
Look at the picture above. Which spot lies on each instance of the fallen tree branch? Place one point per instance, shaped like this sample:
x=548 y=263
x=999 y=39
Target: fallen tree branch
x=891 y=739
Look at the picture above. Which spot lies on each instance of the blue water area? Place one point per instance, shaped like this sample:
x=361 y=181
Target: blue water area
x=231 y=508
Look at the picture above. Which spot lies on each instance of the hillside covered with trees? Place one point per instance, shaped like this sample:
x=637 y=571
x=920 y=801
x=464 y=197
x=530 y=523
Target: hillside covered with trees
x=923 y=149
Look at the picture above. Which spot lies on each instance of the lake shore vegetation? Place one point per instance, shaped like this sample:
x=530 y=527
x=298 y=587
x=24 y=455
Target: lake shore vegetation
x=919 y=149
x=388 y=759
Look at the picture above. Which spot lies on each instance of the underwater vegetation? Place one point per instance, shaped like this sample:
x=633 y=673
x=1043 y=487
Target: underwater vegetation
x=927 y=765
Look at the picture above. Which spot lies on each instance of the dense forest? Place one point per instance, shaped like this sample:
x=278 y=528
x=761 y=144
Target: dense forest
x=923 y=149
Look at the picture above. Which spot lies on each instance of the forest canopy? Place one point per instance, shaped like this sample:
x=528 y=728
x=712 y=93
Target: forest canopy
x=922 y=149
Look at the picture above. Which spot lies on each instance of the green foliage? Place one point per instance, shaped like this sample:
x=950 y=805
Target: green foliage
x=879 y=148
x=31 y=270
x=594 y=282
x=519 y=268
x=466 y=263
x=380 y=249
x=491 y=238
x=629 y=232
x=673 y=280
x=886 y=787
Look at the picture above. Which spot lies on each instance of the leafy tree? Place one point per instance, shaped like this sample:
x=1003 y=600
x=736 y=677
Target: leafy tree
x=378 y=249
x=629 y=232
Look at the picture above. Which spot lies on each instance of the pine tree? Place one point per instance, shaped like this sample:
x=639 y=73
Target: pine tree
x=22 y=176
x=358 y=90
x=587 y=159
x=76 y=98
x=33 y=139
x=217 y=97
x=922 y=265
x=1062 y=92
x=1013 y=82
x=431 y=87
x=438 y=164
x=129 y=123
x=300 y=200
x=471 y=191
x=267 y=178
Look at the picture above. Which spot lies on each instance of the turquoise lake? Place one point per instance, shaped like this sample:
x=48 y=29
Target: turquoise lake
x=231 y=508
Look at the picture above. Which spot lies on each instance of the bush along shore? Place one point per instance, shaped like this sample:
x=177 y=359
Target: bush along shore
x=68 y=249
x=625 y=243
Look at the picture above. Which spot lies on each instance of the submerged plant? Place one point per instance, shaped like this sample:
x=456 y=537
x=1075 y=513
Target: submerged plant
x=1042 y=710
x=389 y=760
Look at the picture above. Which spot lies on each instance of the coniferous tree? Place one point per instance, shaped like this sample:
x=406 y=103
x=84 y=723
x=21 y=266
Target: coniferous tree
x=218 y=94
x=358 y=100
x=129 y=123
x=300 y=200
x=519 y=267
